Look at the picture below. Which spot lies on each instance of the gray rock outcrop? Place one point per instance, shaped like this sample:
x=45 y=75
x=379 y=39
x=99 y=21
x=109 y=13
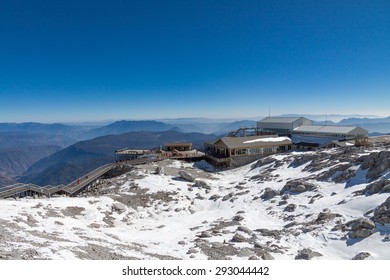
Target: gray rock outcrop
x=376 y=163
x=202 y=185
x=239 y=238
x=290 y=208
x=298 y=186
x=360 y=228
x=269 y=193
x=186 y=176
x=228 y=196
x=244 y=229
x=307 y=254
x=159 y=170
x=361 y=256
x=380 y=186
x=118 y=207
x=382 y=212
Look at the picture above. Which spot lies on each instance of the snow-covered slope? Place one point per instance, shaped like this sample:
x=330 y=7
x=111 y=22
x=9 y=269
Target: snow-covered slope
x=286 y=206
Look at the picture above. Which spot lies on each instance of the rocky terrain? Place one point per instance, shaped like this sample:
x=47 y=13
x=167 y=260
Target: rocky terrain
x=329 y=204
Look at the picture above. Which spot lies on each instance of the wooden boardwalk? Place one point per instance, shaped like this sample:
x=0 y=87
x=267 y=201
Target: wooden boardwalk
x=71 y=189
x=82 y=183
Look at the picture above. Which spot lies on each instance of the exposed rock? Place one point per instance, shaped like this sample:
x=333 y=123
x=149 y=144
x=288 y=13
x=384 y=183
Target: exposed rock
x=214 y=197
x=386 y=189
x=298 y=161
x=269 y=193
x=265 y=256
x=314 y=198
x=202 y=185
x=376 y=163
x=290 y=208
x=218 y=253
x=382 y=185
x=324 y=217
x=338 y=174
x=72 y=211
x=292 y=224
x=245 y=252
x=192 y=251
x=245 y=229
x=360 y=228
x=239 y=238
x=205 y=234
x=267 y=232
x=386 y=238
x=253 y=258
x=186 y=176
x=361 y=256
x=297 y=186
x=228 y=196
x=298 y=189
x=264 y=161
x=217 y=245
x=119 y=207
x=382 y=212
x=307 y=254
x=159 y=170
x=361 y=223
x=238 y=218
x=360 y=233
x=282 y=202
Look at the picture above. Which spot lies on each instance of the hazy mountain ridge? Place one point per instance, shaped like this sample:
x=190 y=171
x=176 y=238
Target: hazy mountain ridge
x=5 y=181
x=15 y=162
x=25 y=139
x=123 y=126
x=42 y=128
x=356 y=121
x=20 y=150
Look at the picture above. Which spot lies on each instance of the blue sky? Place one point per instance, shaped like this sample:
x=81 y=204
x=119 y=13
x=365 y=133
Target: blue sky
x=97 y=60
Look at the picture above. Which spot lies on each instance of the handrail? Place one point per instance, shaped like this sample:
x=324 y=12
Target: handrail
x=74 y=186
x=18 y=188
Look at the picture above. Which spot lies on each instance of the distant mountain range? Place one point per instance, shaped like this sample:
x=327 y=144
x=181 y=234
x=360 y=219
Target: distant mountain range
x=19 y=150
x=46 y=129
x=329 y=117
x=15 y=161
x=82 y=157
x=355 y=121
x=5 y=181
x=379 y=125
x=121 y=127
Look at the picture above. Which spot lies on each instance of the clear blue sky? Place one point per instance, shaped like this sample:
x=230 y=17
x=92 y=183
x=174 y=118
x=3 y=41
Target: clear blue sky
x=94 y=60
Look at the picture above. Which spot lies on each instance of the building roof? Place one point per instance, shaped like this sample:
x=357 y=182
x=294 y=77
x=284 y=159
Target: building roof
x=132 y=152
x=326 y=129
x=254 y=141
x=280 y=119
x=300 y=139
x=178 y=144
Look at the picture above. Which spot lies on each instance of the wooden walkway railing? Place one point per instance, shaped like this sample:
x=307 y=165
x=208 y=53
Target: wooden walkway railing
x=71 y=189
x=79 y=184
